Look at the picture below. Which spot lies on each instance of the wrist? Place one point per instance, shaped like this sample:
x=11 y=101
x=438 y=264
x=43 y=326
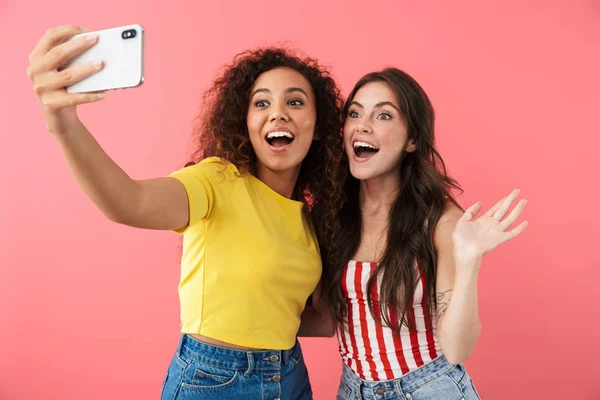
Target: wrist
x=468 y=263
x=62 y=127
x=467 y=254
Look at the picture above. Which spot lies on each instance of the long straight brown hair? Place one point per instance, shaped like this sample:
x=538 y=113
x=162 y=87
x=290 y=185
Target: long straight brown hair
x=425 y=188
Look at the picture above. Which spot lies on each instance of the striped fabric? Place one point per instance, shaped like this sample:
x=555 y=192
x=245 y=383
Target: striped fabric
x=376 y=353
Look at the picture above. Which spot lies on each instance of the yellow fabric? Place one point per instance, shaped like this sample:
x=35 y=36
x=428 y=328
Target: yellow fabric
x=250 y=259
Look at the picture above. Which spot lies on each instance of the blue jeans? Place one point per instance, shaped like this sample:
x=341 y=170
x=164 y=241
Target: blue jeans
x=200 y=371
x=437 y=380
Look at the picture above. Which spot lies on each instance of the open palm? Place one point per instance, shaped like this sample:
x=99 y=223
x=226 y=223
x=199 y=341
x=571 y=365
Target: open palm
x=476 y=237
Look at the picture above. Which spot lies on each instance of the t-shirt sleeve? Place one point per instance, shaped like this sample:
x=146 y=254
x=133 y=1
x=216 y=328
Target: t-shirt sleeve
x=200 y=182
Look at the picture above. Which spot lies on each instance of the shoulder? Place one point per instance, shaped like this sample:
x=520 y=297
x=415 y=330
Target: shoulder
x=218 y=164
x=211 y=167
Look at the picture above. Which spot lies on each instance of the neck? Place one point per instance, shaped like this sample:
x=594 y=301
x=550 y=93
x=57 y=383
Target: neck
x=282 y=182
x=377 y=195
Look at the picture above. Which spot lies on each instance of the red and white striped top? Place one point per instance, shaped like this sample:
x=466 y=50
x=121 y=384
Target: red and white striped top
x=376 y=353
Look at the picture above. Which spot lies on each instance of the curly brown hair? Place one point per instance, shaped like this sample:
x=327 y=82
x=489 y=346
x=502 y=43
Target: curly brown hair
x=221 y=130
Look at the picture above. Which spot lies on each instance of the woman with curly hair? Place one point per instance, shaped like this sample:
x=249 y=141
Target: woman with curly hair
x=261 y=192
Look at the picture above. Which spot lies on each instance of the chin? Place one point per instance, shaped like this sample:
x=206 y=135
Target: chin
x=281 y=164
x=361 y=173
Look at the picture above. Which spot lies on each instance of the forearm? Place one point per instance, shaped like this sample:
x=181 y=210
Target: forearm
x=102 y=180
x=315 y=324
x=459 y=325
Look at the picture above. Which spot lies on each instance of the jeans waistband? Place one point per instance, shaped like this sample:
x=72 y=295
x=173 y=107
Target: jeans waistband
x=408 y=382
x=246 y=360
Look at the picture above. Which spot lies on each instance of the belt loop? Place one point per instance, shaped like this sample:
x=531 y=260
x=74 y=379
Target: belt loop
x=399 y=390
x=250 y=357
x=286 y=355
x=359 y=385
x=180 y=344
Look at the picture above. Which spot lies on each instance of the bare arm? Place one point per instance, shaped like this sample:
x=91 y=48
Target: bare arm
x=460 y=244
x=456 y=294
x=316 y=321
x=160 y=203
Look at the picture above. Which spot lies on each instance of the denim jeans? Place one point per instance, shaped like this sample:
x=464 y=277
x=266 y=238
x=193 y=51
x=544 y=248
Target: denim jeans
x=437 y=380
x=200 y=371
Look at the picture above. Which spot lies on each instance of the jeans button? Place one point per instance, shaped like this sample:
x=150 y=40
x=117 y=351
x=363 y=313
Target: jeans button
x=274 y=358
x=277 y=379
x=408 y=396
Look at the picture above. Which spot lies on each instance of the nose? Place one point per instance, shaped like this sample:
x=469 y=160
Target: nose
x=363 y=128
x=278 y=114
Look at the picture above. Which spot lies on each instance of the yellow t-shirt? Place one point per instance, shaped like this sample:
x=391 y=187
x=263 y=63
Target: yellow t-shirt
x=250 y=259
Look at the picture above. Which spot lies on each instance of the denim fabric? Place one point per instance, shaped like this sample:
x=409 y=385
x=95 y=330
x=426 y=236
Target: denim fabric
x=200 y=371
x=437 y=380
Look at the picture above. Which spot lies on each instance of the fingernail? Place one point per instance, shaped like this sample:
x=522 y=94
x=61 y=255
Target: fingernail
x=91 y=38
x=101 y=95
x=97 y=64
x=85 y=30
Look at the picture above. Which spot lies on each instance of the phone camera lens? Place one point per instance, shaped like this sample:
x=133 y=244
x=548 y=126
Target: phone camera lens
x=128 y=34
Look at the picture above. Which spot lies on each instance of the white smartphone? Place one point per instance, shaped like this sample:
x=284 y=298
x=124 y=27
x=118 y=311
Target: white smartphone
x=122 y=52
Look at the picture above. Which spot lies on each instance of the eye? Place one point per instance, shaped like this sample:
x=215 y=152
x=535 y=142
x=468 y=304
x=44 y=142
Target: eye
x=295 y=103
x=353 y=114
x=384 y=116
x=261 y=103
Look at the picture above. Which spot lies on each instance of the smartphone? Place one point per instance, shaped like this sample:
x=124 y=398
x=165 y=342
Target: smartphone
x=122 y=52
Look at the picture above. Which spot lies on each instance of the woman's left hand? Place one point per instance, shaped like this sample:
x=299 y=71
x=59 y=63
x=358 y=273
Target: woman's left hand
x=475 y=237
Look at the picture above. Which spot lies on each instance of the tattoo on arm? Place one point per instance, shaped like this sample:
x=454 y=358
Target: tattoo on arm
x=443 y=301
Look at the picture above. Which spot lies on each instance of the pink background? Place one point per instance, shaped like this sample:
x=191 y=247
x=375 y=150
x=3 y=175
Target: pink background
x=88 y=308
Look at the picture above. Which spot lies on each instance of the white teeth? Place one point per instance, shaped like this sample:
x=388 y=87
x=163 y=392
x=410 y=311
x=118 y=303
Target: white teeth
x=273 y=135
x=364 y=144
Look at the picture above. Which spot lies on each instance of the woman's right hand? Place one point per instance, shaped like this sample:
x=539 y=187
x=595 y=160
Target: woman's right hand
x=160 y=203
x=49 y=83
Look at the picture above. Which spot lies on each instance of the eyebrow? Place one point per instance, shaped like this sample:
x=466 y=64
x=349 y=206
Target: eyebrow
x=288 y=90
x=383 y=103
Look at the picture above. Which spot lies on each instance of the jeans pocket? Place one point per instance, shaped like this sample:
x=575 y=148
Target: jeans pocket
x=464 y=382
x=470 y=391
x=443 y=387
x=345 y=392
x=459 y=375
x=208 y=377
x=296 y=359
x=172 y=379
x=296 y=356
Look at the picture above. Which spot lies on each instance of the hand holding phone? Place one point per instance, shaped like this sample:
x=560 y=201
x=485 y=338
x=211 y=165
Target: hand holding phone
x=63 y=58
x=121 y=50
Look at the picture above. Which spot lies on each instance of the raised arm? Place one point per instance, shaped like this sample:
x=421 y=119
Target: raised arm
x=160 y=203
x=461 y=241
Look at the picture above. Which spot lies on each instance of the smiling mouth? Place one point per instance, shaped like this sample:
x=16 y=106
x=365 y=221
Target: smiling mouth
x=280 y=139
x=364 y=149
